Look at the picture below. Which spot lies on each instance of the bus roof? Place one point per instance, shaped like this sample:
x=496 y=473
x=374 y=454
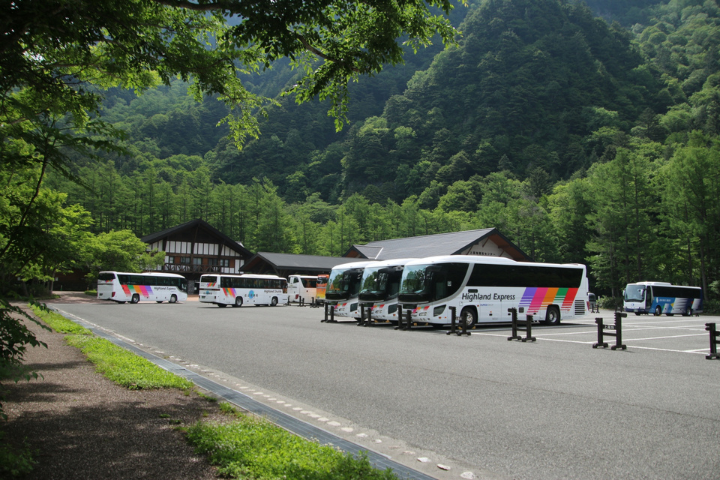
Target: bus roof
x=475 y=259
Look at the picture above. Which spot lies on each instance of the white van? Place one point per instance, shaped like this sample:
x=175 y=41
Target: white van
x=302 y=287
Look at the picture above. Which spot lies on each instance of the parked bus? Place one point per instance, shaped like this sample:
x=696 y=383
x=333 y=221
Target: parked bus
x=662 y=297
x=246 y=289
x=320 y=287
x=380 y=287
x=302 y=287
x=124 y=287
x=482 y=289
x=343 y=288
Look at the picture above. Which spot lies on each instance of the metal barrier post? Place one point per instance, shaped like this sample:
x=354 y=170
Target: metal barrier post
x=516 y=328
x=453 y=311
x=332 y=313
x=513 y=316
x=400 y=318
x=369 y=320
x=617 y=328
x=325 y=318
x=711 y=327
x=362 y=315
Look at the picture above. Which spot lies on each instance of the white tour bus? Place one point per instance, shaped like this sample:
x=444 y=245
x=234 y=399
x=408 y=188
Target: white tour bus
x=482 y=289
x=662 y=297
x=246 y=289
x=379 y=288
x=343 y=287
x=302 y=287
x=124 y=287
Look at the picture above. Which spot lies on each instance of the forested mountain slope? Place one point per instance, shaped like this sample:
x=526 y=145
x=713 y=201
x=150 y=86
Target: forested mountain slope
x=582 y=140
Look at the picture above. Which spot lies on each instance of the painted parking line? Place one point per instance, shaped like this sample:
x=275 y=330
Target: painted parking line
x=554 y=337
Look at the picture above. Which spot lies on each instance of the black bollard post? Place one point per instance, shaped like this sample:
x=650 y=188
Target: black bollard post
x=513 y=316
x=464 y=327
x=400 y=317
x=617 y=328
x=362 y=315
x=332 y=313
x=453 y=311
x=712 y=328
x=325 y=318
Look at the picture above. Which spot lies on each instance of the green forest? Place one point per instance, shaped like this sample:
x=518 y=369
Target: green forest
x=586 y=132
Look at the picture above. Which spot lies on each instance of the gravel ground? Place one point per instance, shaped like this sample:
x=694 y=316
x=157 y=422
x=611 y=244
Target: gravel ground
x=83 y=426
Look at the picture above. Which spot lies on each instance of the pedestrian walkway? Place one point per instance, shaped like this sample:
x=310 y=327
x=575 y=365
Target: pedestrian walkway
x=83 y=426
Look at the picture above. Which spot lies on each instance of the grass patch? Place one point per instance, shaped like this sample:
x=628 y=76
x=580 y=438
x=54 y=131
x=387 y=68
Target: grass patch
x=92 y=293
x=252 y=448
x=59 y=323
x=125 y=368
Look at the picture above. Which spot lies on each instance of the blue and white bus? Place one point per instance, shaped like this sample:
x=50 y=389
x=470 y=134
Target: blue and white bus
x=662 y=297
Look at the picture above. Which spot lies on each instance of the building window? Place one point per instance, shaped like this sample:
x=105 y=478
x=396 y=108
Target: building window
x=185 y=260
x=224 y=262
x=197 y=261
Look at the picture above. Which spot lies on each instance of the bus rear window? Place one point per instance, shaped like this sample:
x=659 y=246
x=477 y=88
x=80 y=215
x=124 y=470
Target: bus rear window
x=106 y=276
x=208 y=279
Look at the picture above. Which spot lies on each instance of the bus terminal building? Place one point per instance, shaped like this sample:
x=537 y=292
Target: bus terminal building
x=196 y=248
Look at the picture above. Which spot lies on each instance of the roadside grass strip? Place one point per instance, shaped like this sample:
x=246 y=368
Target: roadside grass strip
x=253 y=448
x=59 y=323
x=125 y=368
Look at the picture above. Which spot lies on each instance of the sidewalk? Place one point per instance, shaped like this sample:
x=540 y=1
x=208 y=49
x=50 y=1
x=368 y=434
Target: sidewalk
x=83 y=426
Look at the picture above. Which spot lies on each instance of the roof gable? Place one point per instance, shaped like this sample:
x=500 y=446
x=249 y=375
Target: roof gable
x=453 y=243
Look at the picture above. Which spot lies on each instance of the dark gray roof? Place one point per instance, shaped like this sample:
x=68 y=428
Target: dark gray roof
x=224 y=239
x=430 y=245
x=292 y=262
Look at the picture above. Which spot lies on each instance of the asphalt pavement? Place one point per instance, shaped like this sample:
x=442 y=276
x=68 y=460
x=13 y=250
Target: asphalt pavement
x=478 y=405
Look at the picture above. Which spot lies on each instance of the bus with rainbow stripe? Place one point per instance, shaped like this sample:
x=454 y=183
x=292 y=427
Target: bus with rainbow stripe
x=245 y=289
x=157 y=287
x=482 y=289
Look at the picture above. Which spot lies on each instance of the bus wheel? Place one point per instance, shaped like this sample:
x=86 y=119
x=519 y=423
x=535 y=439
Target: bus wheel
x=468 y=316
x=221 y=305
x=658 y=311
x=238 y=302
x=173 y=299
x=688 y=313
x=552 y=316
x=274 y=302
x=135 y=298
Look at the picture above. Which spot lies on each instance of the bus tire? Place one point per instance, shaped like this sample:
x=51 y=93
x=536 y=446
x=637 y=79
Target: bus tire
x=469 y=316
x=658 y=311
x=173 y=299
x=135 y=298
x=552 y=316
x=221 y=305
x=238 y=302
x=274 y=302
x=688 y=313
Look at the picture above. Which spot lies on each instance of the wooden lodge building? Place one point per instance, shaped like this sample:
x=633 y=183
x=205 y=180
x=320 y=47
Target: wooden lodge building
x=195 y=248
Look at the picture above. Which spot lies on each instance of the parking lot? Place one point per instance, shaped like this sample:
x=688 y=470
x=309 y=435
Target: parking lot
x=554 y=408
x=676 y=334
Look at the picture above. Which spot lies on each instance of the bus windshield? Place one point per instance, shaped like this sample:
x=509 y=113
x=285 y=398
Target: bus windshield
x=416 y=282
x=634 y=293
x=343 y=284
x=374 y=284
